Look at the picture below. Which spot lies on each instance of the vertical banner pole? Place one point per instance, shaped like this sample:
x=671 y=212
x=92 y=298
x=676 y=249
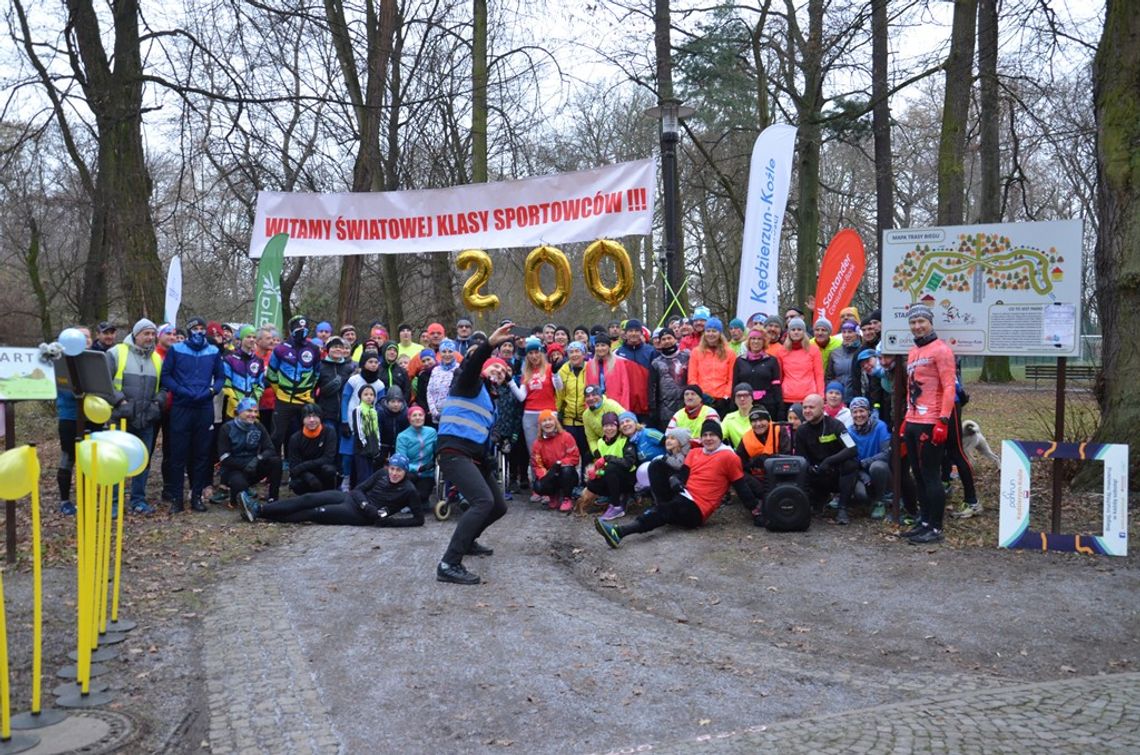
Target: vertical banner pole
x=10 y=506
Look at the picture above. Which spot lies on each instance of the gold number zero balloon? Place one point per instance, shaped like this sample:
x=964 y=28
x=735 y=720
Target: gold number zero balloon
x=615 y=251
x=547 y=255
x=481 y=261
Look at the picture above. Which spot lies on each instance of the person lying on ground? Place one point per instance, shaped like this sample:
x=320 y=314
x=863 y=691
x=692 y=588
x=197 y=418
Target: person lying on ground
x=386 y=499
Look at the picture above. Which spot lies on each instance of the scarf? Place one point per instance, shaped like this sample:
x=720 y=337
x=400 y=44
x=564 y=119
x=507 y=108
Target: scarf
x=928 y=338
x=370 y=421
x=314 y=433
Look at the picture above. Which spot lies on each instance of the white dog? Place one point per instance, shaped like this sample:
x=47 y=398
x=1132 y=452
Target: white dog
x=974 y=443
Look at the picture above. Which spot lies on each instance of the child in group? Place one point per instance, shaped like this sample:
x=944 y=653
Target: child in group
x=417 y=442
x=393 y=420
x=833 y=405
x=365 y=435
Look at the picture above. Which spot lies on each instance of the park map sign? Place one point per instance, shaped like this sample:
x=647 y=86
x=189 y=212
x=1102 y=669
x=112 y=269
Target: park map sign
x=1001 y=289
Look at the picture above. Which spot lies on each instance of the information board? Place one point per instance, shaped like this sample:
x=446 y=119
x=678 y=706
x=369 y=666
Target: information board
x=1010 y=289
x=24 y=375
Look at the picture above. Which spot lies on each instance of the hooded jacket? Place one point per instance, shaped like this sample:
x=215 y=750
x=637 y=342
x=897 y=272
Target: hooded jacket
x=139 y=399
x=668 y=376
x=193 y=375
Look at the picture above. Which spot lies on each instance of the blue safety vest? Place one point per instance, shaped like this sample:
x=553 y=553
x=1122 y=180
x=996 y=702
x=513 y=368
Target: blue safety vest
x=468 y=418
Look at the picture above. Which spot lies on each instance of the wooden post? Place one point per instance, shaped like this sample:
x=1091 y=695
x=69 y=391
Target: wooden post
x=1059 y=437
x=10 y=506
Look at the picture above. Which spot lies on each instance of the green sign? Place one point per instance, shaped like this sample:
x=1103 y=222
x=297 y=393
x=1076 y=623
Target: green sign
x=267 y=290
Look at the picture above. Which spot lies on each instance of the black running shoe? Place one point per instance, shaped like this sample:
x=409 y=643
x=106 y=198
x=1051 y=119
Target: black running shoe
x=929 y=537
x=455 y=573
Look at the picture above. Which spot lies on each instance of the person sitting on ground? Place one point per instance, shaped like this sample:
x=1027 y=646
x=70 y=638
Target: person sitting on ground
x=830 y=452
x=554 y=459
x=688 y=497
x=873 y=444
x=643 y=445
x=763 y=440
x=612 y=475
x=417 y=442
x=677 y=447
x=693 y=413
x=833 y=405
x=247 y=454
x=311 y=453
x=378 y=501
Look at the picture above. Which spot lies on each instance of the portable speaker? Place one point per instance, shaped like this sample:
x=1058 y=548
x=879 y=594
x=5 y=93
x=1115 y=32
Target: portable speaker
x=787 y=507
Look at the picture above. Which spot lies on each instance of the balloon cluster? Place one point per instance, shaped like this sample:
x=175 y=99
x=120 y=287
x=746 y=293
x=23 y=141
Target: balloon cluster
x=563 y=284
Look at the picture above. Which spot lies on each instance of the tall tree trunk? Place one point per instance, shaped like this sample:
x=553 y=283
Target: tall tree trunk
x=810 y=137
x=955 y=111
x=367 y=101
x=995 y=369
x=479 y=95
x=122 y=229
x=32 y=263
x=1116 y=98
x=763 y=108
x=881 y=126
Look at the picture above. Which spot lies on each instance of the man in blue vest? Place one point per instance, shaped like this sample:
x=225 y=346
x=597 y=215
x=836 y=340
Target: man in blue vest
x=192 y=372
x=135 y=373
x=466 y=453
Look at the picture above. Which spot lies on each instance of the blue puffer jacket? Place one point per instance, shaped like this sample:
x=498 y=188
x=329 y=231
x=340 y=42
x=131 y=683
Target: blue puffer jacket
x=193 y=376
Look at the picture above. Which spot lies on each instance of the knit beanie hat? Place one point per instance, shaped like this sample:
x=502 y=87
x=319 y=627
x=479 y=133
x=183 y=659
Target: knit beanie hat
x=142 y=325
x=710 y=425
x=797 y=322
x=918 y=309
x=834 y=385
x=694 y=388
x=860 y=401
x=823 y=322
x=609 y=418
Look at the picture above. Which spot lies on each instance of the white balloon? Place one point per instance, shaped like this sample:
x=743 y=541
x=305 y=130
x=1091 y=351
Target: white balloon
x=73 y=341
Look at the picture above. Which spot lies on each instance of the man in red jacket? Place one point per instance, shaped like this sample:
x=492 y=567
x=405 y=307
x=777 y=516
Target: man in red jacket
x=639 y=356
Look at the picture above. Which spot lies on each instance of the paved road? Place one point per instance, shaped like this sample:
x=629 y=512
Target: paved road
x=344 y=642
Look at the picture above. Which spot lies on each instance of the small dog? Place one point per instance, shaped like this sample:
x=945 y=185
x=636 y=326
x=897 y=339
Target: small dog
x=974 y=443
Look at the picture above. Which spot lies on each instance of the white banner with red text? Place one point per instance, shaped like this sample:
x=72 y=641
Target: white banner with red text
x=608 y=202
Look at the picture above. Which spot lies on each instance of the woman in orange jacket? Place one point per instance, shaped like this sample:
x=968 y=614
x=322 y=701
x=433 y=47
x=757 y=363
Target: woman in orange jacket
x=802 y=364
x=710 y=367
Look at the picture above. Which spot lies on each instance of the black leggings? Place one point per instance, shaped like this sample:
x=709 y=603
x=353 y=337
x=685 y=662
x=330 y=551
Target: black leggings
x=558 y=481
x=321 y=478
x=67 y=431
x=476 y=483
x=326 y=507
x=237 y=480
x=617 y=483
x=926 y=463
x=955 y=454
x=669 y=507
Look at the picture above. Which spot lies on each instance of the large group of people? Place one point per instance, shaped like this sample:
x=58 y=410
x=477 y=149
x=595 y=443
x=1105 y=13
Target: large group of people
x=356 y=427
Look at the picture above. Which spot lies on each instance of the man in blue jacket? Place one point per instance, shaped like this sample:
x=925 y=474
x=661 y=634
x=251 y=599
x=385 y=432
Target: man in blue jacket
x=192 y=373
x=873 y=445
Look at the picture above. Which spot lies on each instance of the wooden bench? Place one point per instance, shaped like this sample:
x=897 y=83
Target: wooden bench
x=1037 y=372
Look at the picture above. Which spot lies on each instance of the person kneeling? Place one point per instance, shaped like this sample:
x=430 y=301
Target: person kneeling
x=873 y=444
x=554 y=459
x=613 y=472
x=377 y=501
x=763 y=440
x=247 y=455
x=687 y=498
x=312 y=454
x=830 y=450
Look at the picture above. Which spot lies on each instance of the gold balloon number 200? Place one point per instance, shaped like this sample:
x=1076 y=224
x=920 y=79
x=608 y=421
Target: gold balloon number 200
x=563 y=285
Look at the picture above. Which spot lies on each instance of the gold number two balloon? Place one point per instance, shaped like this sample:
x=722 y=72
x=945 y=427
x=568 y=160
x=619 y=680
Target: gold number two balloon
x=474 y=300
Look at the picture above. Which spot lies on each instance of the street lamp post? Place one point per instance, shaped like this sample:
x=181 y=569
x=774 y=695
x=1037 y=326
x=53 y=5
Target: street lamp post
x=670 y=112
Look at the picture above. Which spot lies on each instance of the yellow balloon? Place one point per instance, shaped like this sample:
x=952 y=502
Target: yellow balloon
x=547 y=255
x=112 y=461
x=615 y=251
x=481 y=261
x=132 y=445
x=19 y=472
x=96 y=409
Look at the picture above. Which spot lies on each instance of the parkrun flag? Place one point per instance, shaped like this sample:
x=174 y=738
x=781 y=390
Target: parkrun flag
x=843 y=265
x=768 y=182
x=608 y=202
x=267 y=290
